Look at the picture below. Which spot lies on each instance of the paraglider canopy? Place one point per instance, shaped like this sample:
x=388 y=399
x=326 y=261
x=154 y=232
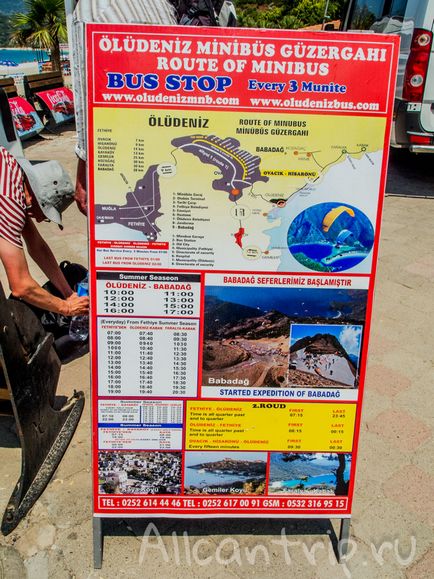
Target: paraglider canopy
x=332 y=215
x=345 y=236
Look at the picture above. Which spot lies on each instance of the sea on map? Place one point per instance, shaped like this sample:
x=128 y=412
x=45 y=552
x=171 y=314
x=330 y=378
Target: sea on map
x=237 y=170
x=309 y=473
x=330 y=237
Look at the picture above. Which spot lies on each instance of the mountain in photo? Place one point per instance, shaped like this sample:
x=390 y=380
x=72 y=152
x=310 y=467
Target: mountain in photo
x=321 y=344
x=322 y=356
x=228 y=320
x=220 y=314
x=285 y=465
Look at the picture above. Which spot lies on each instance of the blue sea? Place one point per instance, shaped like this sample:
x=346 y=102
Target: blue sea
x=202 y=478
x=313 y=250
x=315 y=480
x=320 y=461
x=20 y=55
x=295 y=302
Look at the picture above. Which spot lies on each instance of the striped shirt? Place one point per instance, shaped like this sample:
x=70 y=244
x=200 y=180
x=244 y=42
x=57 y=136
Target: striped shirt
x=12 y=199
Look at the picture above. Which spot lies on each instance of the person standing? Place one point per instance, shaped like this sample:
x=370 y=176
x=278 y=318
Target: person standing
x=30 y=193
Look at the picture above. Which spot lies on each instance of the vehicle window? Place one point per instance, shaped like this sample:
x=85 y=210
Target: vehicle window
x=393 y=17
x=397 y=10
x=378 y=15
x=365 y=13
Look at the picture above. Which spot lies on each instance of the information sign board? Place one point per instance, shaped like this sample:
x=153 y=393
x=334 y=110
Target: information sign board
x=236 y=183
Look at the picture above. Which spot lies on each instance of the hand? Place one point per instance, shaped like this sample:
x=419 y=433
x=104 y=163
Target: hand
x=76 y=306
x=80 y=194
x=80 y=197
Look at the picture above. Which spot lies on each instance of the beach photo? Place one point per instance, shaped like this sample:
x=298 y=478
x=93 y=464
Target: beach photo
x=247 y=331
x=324 y=355
x=330 y=237
x=145 y=473
x=225 y=473
x=317 y=473
x=20 y=61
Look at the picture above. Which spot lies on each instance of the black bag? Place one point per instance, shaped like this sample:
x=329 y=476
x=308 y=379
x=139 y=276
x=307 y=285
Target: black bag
x=206 y=12
x=57 y=324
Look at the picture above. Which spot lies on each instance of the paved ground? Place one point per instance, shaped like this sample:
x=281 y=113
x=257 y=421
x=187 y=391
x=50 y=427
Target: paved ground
x=393 y=514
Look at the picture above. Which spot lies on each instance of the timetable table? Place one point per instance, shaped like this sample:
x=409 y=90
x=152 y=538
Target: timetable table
x=140 y=424
x=148 y=294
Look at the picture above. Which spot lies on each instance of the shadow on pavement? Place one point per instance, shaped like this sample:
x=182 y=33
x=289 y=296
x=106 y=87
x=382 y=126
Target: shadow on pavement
x=50 y=134
x=410 y=175
x=224 y=527
x=8 y=435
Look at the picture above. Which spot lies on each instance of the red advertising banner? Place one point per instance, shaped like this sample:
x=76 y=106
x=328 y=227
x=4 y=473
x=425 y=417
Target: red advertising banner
x=26 y=119
x=60 y=102
x=236 y=179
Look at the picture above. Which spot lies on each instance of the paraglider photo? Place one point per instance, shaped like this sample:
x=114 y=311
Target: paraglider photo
x=330 y=237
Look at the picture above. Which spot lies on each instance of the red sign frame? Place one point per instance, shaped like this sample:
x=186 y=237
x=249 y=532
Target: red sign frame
x=158 y=70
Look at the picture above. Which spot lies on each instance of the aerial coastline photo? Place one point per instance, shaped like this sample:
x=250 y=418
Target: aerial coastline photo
x=247 y=333
x=316 y=473
x=225 y=473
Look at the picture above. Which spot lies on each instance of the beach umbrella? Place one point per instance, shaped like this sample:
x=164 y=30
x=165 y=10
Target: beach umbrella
x=8 y=63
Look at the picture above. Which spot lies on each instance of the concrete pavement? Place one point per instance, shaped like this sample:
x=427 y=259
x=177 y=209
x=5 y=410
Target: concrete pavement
x=393 y=511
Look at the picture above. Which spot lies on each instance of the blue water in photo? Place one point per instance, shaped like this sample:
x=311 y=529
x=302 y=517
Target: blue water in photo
x=201 y=478
x=316 y=469
x=20 y=55
x=313 y=250
x=347 y=262
x=294 y=302
x=315 y=480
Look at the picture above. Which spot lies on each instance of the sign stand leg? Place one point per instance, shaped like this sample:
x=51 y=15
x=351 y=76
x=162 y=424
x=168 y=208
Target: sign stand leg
x=97 y=542
x=344 y=536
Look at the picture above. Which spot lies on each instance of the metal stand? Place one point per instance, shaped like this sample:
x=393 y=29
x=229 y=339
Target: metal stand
x=344 y=537
x=31 y=370
x=97 y=542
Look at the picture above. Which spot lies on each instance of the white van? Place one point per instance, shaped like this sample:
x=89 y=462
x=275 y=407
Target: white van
x=413 y=21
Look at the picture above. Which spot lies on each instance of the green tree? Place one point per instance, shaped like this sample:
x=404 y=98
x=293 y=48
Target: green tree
x=310 y=11
x=286 y=13
x=43 y=25
x=4 y=29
